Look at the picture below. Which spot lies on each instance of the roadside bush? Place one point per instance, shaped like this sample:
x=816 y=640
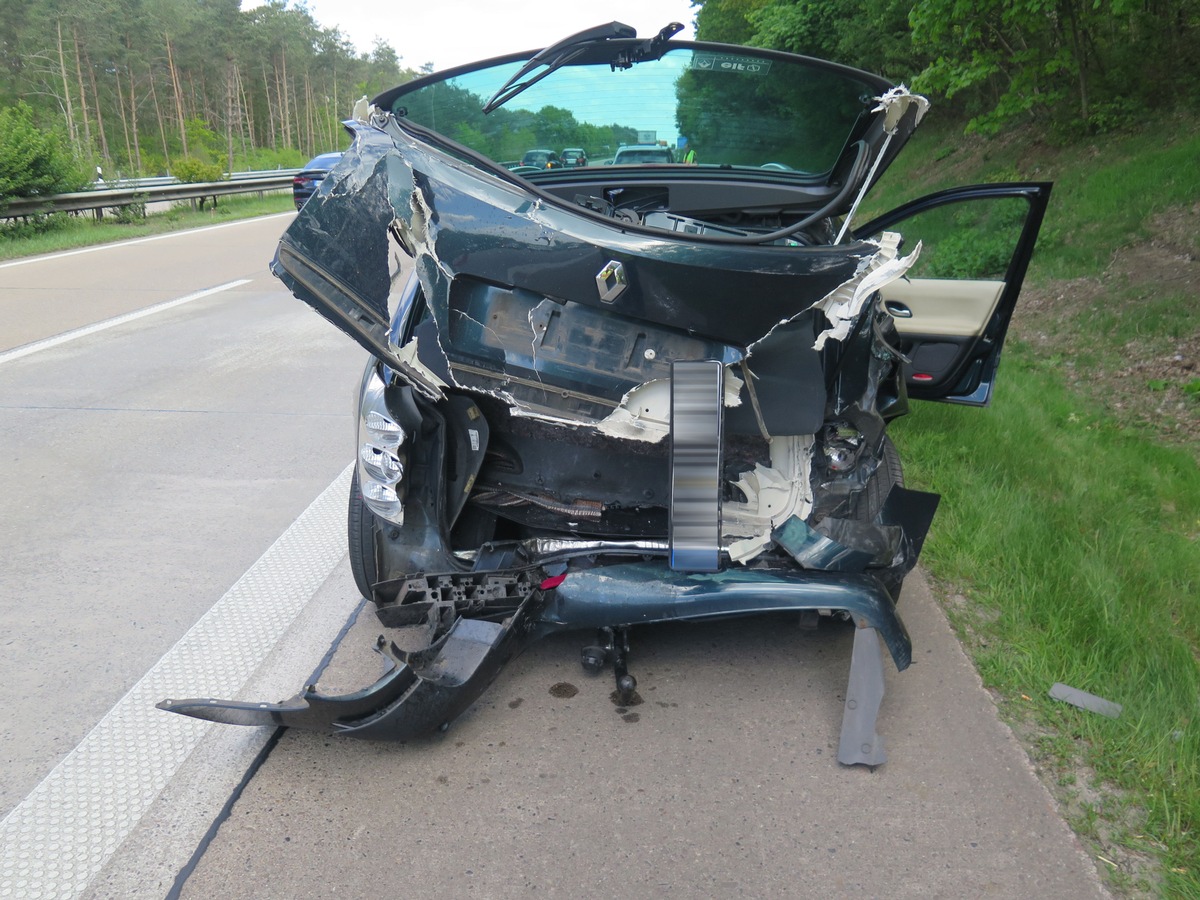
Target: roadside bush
x=33 y=162
x=31 y=226
x=193 y=171
x=131 y=214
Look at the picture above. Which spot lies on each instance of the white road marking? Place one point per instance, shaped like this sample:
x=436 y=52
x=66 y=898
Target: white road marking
x=96 y=248
x=47 y=343
x=60 y=837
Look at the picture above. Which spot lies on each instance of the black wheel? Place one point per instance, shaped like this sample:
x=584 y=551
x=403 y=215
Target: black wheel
x=889 y=474
x=360 y=530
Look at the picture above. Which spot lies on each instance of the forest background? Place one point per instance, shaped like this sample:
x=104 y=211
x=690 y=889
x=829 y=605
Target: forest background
x=139 y=87
x=150 y=86
x=185 y=87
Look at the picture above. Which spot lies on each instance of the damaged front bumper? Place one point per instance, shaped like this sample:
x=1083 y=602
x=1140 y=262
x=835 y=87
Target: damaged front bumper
x=424 y=691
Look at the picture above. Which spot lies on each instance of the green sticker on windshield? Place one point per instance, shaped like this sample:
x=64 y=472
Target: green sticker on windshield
x=729 y=62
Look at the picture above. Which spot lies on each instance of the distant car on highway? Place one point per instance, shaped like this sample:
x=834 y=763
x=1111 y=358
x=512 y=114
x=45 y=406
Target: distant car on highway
x=306 y=183
x=574 y=156
x=542 y=159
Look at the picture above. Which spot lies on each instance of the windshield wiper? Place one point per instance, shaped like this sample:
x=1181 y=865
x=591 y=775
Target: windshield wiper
x=569 y=49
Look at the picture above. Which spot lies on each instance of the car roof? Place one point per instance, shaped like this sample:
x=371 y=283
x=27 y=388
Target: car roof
x=324 y=161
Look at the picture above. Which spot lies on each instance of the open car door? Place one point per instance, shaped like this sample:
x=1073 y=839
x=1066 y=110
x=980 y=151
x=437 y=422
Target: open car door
x=953 y=309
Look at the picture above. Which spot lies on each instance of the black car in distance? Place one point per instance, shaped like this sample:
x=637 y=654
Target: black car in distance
x=306 y=183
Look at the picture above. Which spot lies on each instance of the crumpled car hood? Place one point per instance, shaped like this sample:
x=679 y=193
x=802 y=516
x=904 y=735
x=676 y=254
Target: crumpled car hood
x=484 y=245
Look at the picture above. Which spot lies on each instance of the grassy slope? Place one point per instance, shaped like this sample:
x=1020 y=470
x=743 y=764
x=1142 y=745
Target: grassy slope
x=1068 y=543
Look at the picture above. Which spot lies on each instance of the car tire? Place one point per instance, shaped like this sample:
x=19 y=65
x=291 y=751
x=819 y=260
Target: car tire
x=889 y=474
x=360 y=530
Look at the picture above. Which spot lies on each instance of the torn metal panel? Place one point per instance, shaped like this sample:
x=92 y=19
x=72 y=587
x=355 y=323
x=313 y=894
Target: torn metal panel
x=902 y=112
x=418 y=694
x=1084 y=700
x=637 y=592
x=859 y=744
x=898 y=103
x=838 y=545
x=773 y=495
x=842 y=307
x=644 y=414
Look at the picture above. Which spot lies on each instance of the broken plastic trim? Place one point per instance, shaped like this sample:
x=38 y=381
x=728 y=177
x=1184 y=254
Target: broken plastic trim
x=417 y=695
x=424 y=691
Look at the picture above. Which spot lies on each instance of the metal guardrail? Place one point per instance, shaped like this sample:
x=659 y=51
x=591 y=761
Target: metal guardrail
x=157 y=180
x=111 y=198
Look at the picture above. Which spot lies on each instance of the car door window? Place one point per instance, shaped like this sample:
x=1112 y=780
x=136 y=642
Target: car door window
x=953 y=309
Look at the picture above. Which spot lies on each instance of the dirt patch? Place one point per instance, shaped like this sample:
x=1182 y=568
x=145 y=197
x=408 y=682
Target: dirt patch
x=1149 y=377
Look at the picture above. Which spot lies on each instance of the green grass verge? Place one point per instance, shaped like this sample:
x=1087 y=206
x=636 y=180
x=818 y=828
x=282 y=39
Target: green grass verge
x=1077 y=545
x=1067 y=547
x=70 y=232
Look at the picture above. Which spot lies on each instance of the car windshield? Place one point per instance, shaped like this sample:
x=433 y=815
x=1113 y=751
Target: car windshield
x=732 y=107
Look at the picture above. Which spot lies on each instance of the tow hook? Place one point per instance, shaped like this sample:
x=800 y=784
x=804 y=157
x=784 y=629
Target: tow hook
x=612 y=646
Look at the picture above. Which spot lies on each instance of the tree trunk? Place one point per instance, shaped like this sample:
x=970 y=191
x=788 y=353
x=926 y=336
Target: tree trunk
x=308 y=116
x=124 y=116
x=178 y=96
x=87 y=126
x=68 y=109
x=283 y=91
x=270 y=107
x=96 y=95
x=133 y=105
x=229 y=113
x=162 y=128
x=247 y=111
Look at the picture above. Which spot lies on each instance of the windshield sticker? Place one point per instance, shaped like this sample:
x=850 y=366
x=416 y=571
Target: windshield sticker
x=729 y=62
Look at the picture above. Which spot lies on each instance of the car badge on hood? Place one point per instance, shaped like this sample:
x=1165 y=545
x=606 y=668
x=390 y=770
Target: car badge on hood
x=611 y=281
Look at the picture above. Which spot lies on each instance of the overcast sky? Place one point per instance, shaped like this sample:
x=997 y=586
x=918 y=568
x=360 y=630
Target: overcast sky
x=450 y=32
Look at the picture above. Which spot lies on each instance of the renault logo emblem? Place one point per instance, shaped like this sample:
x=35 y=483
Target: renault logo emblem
x=611 y=281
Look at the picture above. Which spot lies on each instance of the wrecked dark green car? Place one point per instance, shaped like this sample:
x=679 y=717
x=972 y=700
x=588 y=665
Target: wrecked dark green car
x=626 y=393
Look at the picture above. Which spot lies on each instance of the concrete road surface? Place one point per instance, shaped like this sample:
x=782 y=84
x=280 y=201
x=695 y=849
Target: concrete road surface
x=145 y=465
x=721 y=783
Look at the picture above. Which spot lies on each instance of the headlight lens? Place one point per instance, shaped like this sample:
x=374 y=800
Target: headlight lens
x=380 y=464
x=380 y=455
x=383 y=430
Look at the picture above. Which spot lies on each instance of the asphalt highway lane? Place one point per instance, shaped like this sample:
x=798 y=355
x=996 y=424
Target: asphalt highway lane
x=148 y=465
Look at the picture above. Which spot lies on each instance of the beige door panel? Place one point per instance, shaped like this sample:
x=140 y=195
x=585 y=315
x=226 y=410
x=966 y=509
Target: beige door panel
x=944 y=306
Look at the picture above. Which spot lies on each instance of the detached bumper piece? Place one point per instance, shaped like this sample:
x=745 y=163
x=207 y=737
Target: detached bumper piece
x=421 y=693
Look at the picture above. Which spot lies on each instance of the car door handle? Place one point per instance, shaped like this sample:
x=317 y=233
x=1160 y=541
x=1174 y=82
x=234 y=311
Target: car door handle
x=897 y=309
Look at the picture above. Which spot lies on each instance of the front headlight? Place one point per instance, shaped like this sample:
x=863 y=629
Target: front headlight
x=380 y=450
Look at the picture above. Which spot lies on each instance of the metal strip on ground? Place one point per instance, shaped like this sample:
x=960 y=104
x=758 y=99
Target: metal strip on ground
x=56 y=840
x=47 y=343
